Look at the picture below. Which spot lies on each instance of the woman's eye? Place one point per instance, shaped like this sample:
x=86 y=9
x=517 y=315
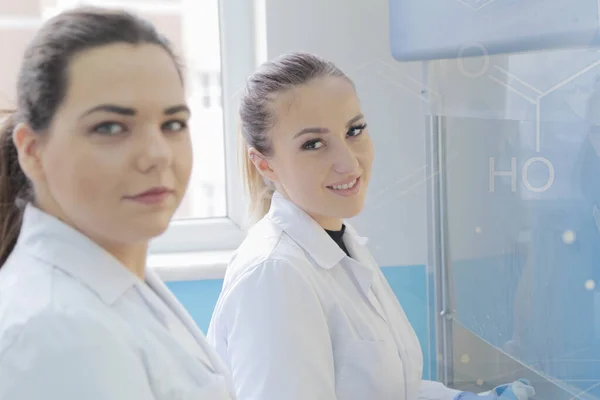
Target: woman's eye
x=109 y=128
x=356 y=130
x=174 y=126
x=312 y=145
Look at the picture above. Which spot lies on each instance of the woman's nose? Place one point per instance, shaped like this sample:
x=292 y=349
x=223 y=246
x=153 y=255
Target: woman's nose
x=346 y=161
x=155 y=152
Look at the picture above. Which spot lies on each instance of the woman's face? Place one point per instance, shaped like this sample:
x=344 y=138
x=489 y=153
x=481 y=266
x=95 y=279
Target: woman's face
x=322 y=153
x=117 y=159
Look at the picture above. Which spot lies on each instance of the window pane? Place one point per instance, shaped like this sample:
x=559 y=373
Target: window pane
x=17 y=22
x=201 y=42
x=20 y=8
x=197 y=42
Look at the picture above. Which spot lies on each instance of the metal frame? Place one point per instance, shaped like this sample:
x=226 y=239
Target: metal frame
x=438 y=256
x=437 y=233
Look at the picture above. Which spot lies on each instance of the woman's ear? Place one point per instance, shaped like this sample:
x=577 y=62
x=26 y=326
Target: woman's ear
x=28 y=147
x=261 y=164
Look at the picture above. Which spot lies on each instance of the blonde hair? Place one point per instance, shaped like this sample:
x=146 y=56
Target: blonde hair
x=258 y=190
x=257 y=119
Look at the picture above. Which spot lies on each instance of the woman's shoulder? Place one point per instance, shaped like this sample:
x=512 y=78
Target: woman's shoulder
x=40 y=306
x=66 y=353
x=29 y=289
x=266 y=248
x=53 y=333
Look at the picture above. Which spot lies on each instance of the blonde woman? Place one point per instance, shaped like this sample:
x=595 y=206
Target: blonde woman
x=305 y=312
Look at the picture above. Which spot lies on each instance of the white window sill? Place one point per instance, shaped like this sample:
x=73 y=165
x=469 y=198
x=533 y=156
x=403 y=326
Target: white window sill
x=190 y=266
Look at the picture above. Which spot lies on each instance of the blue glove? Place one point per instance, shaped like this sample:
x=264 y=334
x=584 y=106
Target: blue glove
x=519 y=390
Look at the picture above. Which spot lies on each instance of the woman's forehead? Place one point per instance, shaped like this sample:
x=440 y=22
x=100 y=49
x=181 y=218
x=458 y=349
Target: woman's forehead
x=318 y=103
x=124 y=74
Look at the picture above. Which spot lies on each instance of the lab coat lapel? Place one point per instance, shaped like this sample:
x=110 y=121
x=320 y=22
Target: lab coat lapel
x=385 y=302
x=162 y=291
x=363 y=267
x=165 y=294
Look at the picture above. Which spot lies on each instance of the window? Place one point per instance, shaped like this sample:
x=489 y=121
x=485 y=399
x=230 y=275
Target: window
x=18 y=21
x=216 y=43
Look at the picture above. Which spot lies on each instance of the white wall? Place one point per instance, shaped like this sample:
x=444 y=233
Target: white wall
x=354 y=35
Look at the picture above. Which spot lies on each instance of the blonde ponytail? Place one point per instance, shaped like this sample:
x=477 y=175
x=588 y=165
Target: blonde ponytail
x=258 y=191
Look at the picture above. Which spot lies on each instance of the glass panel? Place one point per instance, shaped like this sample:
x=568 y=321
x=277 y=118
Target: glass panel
x=521 y=140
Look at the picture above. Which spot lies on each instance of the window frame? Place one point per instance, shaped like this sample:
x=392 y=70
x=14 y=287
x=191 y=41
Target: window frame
x=242 y=49
x=239 y=58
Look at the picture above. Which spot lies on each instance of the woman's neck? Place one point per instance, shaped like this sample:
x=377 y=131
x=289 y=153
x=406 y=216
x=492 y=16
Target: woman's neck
x=133 y=257
x=327 y=223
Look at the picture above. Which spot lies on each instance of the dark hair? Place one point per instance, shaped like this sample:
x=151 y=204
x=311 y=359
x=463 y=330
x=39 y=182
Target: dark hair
x=257 y=118
x=42 y=85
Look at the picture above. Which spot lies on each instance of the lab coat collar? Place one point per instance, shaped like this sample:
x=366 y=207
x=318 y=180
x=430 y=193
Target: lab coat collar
x=358 y=241
x=305 y=231
x=51 y=240
x=361 y=263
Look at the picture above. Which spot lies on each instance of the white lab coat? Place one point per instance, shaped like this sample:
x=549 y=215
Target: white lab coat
x=75 y=324
x=297 y=319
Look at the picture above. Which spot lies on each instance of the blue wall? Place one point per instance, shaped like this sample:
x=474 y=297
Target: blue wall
x=408 y=283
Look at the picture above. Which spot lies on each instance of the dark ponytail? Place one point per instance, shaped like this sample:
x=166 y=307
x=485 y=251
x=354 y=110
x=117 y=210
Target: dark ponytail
x=13 y=187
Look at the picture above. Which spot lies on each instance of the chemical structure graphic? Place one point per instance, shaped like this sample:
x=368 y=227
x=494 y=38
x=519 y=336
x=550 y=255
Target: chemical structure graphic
x=531 y=94
x=415 y=84
x=517 y=85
